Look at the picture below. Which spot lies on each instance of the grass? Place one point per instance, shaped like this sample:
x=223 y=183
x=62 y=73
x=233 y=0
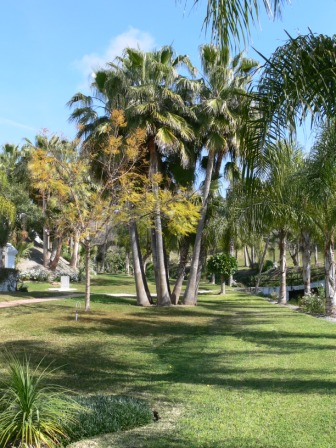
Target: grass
x=233 y=372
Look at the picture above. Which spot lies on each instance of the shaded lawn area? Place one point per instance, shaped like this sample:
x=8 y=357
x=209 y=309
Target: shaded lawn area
x=100 y=284
x=233 y=372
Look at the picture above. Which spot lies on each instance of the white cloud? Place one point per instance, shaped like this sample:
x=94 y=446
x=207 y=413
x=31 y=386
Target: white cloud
x=16 y=124
x=133 y=38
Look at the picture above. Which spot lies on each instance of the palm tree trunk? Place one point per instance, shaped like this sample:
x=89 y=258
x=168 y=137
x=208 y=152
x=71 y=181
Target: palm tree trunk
x=249 y=257
x=163 y=297
x=316 y=255
x=261 y=264
x=190 y=295
x=143 y=299
x=246 y=257
x=306 y=254
x=330 y=289
x=184 y=249
x=202 y=260
x=283 y=266
x=232 y=253
x=222 y=289
x=253 y=256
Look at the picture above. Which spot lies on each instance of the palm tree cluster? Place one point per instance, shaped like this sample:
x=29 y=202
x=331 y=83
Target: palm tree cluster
x=183 y=118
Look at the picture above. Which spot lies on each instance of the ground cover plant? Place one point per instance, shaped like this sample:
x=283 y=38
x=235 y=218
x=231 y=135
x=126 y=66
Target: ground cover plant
x=235 y=371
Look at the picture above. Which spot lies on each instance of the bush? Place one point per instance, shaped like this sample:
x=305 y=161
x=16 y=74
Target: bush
x=31 y=414
x=313 y=303
x=105 y=414
x=268 y=265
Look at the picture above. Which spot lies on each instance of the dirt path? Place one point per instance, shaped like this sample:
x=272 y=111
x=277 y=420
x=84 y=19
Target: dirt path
x=28 y=301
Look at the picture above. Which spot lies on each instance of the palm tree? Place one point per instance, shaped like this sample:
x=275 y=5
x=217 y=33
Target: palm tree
x=221 y=98
x=232 y=18
x=297 y=82
x=270 y=205
x=321 y=188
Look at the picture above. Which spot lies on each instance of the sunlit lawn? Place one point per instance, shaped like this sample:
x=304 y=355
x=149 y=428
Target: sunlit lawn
x=233 y=372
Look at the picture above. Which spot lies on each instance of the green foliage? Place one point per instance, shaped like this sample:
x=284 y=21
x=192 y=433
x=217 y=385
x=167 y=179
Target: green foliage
x=104 y=414
x=267 y=265
x=314 y=303
x=24 y=249
x=222 y=264
x=31 y=414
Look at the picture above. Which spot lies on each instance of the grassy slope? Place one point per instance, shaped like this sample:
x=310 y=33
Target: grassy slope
x=235 y=372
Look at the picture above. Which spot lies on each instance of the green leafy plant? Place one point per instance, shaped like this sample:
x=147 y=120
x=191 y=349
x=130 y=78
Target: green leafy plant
x=24 y=249
x=223 y=265
x=314 y=303
x=32 y=414
x=103 y=414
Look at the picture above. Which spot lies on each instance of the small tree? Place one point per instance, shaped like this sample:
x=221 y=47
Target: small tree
x=223 y=265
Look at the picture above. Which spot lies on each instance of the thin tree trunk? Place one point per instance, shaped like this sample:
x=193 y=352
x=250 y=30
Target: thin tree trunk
x=246 y=258
x=143 y=299
x=222 y=290
x=54 y=248
x=294 y=254
x=298 y=244
x=163 y=296
x=166 y=260
x=190 y=295
x=87 y=245
x=261 y=264
x=203 y=257
x=127 y=263
x=232 y=253
x=184 y=249
x=75 y=248
x=54 y=262
x=249 y=258
x=306 y=268
x=253 y=257
x=45 y=233
x=316 y=255
x=213 y=279
x=283 y=266
x=330 y=289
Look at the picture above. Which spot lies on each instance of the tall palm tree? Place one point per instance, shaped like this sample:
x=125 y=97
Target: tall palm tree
x=321 y=188
x=223 y=92
x=270 y=206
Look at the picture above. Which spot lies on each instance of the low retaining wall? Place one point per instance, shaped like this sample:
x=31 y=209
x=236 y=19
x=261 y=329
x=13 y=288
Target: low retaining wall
x=8 y=279
x=268 y=290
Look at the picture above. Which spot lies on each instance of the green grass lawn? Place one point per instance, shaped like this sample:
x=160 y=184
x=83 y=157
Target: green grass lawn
x=233 y=372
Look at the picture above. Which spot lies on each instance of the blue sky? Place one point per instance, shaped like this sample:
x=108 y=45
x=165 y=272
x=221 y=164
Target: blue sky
x=50 y=48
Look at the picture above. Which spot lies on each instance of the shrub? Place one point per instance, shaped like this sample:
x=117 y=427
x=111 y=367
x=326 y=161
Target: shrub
x=268 y=265
x=31 y=414
x=313 y=303
x=106 y=414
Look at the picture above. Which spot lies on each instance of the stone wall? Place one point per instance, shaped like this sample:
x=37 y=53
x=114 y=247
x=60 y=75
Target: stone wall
x=8 y=279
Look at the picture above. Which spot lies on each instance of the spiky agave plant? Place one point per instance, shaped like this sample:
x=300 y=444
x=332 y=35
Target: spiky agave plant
x=32 y=414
